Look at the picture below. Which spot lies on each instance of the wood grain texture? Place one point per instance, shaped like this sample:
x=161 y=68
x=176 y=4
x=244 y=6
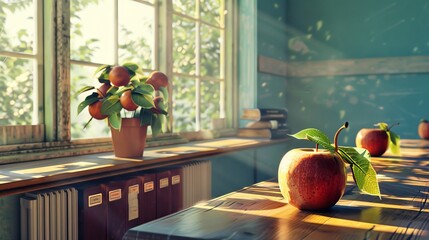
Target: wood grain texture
x=260 y=212
x=391 y=65
x=21 y=134
x=62 y=25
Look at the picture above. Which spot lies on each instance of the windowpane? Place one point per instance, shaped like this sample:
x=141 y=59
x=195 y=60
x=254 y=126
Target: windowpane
x=184 y=45
x=16 y=91
x=137 y=33
x=92 y=33
x=81 y=76
x=184 y=104
x=210 y=11
x=210 y=103
x=210 y=51
x=185 y=6
x=18 y=26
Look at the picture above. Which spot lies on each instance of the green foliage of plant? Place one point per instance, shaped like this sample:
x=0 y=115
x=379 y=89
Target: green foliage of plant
x=393 y=137
x=142 y=94
x=359 y=159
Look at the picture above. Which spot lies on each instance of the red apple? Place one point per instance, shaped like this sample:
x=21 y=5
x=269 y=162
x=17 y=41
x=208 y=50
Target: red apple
x=376 y=141
x=311 y=180
x=95 y=110
x=127 y=102
x=157 y=100
x=119 y=76
x=157 y=80
x=424 y=129
x=102 y=91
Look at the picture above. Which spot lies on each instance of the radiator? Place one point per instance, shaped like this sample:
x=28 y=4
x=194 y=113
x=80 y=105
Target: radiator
x=50 y=215
x=196 y=182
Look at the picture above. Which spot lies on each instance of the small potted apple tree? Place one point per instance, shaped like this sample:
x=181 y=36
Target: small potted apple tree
x=315 y=179
x=130 y=101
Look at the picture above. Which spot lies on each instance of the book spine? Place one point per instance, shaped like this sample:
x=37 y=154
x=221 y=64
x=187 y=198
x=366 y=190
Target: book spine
x=273 y=114
x=280 y=133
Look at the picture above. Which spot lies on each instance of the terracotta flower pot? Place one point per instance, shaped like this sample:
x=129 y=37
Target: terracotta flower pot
x=130 y=141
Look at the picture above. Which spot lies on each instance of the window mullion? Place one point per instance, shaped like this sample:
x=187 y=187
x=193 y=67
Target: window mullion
x=38 y=80
x=62 y=61
x=116 y=32
x=197 y=68
x=222 y=62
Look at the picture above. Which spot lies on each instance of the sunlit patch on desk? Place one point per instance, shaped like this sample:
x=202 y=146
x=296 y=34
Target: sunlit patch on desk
x=184 y=150
x=68 y=167
x=228 y=143
x=381 y=205
x=341 y=223
x=384 y=178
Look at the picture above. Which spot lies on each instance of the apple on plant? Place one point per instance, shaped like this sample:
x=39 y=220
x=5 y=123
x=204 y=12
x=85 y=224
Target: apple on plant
x=126 y=92
x=315 y=179
x=377 y=141
x=423 y=129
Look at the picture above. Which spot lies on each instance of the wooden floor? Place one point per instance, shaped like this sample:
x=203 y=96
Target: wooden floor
x=260 y=212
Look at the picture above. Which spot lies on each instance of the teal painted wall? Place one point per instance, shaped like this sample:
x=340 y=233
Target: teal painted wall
x=335 y=29
x=271 y=34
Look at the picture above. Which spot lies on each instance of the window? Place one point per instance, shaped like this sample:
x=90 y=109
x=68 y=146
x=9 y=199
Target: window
x=50 y=49
x=198 y=71
x=21 y=74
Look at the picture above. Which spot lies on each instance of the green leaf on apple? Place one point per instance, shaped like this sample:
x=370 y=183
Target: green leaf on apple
x=393 y=137
x=115 y=120
x=133 y=67
x=145 y=117
x=156 y=125
x=394 y=143
x=164 y=92
x=88 y=101
x=144 y=89
x=363 y=173
x=123 y=89
x=84 y=89
x=102 y=73
x=111 y=105
x=101 y=69
x=315 y=136
x=143 y=100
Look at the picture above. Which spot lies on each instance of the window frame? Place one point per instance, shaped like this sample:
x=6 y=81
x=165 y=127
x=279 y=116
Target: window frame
x=56 y=85
x=15 y=134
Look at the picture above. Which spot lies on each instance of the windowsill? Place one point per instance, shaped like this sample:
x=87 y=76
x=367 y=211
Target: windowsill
x=46 y=150
x=35 y=175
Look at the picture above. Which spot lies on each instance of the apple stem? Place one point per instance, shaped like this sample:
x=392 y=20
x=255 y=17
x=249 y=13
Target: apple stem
x=317 y=147
x=346 y=125
x=396 y=124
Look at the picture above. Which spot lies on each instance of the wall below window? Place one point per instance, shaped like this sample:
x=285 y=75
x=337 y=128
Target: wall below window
x=9 y=217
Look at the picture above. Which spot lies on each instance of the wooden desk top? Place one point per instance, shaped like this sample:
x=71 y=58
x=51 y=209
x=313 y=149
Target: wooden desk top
x=260 y=212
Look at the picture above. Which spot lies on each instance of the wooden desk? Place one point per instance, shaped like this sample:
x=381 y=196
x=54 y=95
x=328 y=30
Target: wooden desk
x=260 y=212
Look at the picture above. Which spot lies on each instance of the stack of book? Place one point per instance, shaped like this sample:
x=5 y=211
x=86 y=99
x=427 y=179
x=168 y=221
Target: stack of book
x=268 y=123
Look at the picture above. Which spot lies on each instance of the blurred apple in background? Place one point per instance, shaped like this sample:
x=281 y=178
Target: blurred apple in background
x=376 y=141
x=424 y=129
